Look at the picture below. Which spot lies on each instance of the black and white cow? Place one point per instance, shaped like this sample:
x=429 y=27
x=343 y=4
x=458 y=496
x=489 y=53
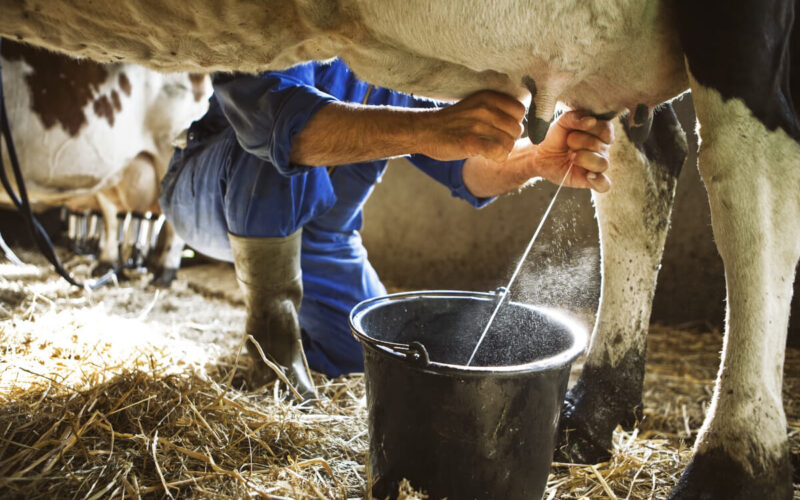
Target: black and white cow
x=741 y=60
x=98 y=137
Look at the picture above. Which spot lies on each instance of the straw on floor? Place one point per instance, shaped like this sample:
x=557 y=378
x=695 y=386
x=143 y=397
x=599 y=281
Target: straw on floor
x=131 y=393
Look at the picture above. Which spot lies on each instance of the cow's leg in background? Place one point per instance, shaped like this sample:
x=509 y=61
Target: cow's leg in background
x=753 y=179
x=165 y=258
x=108 y=260
x=633 y=218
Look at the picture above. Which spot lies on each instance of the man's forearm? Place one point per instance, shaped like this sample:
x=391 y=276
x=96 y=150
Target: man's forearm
x=483 y=124
x=341 y=133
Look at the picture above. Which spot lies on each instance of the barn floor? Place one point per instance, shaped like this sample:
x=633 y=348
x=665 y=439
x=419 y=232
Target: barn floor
x=129 y=391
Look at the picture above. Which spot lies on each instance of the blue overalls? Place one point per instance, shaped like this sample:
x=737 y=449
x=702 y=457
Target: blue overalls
x=235 y=176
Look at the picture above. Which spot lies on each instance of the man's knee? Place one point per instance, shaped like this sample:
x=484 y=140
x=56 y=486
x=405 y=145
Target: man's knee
x=191 y=199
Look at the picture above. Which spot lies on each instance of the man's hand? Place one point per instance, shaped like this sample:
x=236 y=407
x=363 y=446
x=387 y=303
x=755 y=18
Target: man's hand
x=573 y=139
x=582 y=141
x=485 y=124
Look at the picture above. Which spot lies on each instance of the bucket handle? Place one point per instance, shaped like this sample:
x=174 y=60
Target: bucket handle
x=413 y=351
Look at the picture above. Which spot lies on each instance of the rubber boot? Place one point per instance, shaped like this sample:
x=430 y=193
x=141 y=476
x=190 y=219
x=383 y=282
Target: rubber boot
x=268 y=272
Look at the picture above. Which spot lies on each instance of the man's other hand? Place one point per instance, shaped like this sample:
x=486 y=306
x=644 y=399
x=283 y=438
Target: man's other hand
x=582 y=141
x=574 y=139
x=485 y=124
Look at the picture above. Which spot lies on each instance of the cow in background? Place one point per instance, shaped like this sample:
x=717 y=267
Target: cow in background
x=95 y=136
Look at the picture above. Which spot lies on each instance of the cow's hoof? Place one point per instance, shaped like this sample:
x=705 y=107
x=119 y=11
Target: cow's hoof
x=164 y=277
x=715 y=475
x=602 y=398
x=103 y=268
x=577 y=447
x=582 y=439
x=588 y=419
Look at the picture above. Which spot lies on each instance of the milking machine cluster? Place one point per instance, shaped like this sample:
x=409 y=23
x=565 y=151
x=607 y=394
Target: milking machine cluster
x=137 y=235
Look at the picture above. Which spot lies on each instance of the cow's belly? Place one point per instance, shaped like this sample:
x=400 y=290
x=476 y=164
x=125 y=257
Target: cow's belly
x=605 y=55
x=571 y=48
x=170 y=36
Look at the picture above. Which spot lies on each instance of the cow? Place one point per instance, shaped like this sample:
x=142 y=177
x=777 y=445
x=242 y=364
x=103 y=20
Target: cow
x=99 y=137
x=611 y=58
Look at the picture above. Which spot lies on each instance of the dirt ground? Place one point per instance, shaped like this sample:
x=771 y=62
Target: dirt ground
x=132 y=391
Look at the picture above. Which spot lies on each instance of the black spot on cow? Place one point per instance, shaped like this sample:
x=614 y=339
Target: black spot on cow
x=60 y=87
x=115 y=101
x=198 y=89
x=124 y=84
x=642 y=124
x=751 y=52
x=104 y=109
x=666 y=144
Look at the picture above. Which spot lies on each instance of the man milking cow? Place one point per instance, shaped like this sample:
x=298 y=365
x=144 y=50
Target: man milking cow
x=248 y=188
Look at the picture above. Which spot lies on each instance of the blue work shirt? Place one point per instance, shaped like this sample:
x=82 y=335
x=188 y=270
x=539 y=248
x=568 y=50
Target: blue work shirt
x=235 y=176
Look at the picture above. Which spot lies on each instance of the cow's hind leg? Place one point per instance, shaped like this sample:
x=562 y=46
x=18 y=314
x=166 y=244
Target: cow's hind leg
x=108 y=259
x=166 y=256
x=752 y=176
x=633 y=218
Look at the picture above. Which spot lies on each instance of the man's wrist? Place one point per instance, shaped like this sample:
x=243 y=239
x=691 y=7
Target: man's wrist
x=414 y=131
x=521 y=165
x=484 y=177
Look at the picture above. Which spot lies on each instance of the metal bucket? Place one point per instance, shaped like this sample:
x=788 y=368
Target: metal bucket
x=484 y=431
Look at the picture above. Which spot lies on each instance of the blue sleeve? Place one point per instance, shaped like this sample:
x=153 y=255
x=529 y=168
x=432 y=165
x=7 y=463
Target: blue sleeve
x=266 y=111
x=449 y=174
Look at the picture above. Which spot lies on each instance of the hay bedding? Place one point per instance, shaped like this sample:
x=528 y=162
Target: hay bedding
x=127 y=392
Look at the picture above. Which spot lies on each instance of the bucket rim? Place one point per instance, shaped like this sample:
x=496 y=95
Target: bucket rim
x=579 y=335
